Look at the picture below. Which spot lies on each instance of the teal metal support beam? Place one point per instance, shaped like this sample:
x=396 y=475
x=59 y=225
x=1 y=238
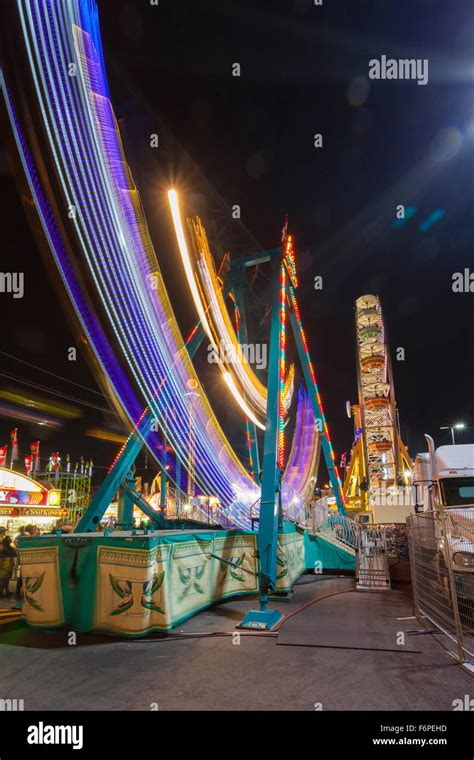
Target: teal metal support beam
x=239 y=295
x=178 y=486
x=126 y=503
x=195 y=341
x=121 y=469
x=157 y=519
x=261 y=257
x=268 y=522
x=114 y=479
x=267 y=539
x=318 y=414
x=164 y=474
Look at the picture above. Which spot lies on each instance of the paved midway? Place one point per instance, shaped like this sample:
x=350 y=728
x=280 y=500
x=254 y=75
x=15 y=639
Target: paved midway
x=198 y=672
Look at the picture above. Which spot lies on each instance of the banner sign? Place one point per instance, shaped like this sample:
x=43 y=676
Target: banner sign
x=33 y=498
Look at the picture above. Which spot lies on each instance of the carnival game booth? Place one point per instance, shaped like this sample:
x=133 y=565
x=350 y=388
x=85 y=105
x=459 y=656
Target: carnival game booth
x=24 y=501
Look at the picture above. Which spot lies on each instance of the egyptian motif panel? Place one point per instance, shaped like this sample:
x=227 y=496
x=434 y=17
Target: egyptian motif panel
x=132 y=589
x=43 y=603
x=238 y=570
x=191 y=577
x=290 y=560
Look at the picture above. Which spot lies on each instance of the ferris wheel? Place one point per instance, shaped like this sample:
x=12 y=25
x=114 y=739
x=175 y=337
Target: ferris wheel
x=376 y=394
x=379 y=457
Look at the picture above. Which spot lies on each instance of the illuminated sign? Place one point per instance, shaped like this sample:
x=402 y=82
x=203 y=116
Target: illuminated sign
x=11 y=480
x=54 y=498
x=11 y=497
x=21 y=511
x=17 y=491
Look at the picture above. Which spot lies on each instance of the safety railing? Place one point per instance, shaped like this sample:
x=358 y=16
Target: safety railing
x=294 y=506
x=372 y=568
x=182 y=507
x=442 y=567
x=326 y=521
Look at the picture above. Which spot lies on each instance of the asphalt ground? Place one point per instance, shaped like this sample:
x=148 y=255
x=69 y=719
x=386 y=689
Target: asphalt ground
x=204 y=665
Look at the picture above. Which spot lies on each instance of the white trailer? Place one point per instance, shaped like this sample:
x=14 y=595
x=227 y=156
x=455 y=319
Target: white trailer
x=443 y=479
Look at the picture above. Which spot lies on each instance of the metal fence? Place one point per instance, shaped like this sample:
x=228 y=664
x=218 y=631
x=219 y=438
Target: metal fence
x=295 y=506
x=442 y=566
x=372 y=569
x=338 y=526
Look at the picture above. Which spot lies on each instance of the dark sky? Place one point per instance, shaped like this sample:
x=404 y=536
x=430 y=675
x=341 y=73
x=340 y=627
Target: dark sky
x=249 y=141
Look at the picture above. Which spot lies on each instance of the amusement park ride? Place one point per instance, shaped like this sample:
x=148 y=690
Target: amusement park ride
x=80 y=195
x=379 y=459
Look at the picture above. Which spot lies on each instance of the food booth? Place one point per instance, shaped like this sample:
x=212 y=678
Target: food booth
x=24 y=501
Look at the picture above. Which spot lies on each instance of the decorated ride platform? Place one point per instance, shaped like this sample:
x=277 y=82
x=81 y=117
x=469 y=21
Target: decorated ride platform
x=133 y=584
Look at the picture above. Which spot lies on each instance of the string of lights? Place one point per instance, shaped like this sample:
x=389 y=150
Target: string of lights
x=296 y=310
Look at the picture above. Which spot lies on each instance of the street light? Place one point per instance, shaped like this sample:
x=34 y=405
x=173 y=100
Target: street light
x=452 y=428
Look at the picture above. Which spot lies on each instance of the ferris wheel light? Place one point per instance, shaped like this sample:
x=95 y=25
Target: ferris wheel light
x=175 y=213
x=241 y=402
x=183 y=248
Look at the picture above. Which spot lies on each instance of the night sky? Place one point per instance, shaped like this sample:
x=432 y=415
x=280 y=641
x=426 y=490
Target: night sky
x=249 y=140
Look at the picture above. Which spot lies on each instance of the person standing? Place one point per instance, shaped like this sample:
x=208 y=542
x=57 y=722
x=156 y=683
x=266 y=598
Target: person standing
x=22 y=532
x=7 y=563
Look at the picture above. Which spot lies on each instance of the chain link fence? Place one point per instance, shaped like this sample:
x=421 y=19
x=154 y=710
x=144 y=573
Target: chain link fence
x=442 y=566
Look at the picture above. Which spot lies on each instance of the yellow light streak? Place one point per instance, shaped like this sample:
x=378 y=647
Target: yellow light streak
x=241 y=402
x=183 y=249
x=175 y=212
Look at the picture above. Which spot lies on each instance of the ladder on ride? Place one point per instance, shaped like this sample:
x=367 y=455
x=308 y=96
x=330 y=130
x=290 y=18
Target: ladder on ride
x=372 y=570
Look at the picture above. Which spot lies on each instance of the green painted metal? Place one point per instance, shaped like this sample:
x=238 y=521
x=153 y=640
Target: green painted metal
x=268 y=520
x=178 y=484
x=318 y=414
x=261 y=619
x=158 y=520
x=115 y=478
x=126 y=503
x=195 y=341
x=261 y=257
x=239 y=288
x=164 y=474
x=267 y=539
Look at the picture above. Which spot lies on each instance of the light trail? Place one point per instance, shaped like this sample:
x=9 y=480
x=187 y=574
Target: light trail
x=241 y=402
x=183 y=248
x=226 y=337
x=106 y=237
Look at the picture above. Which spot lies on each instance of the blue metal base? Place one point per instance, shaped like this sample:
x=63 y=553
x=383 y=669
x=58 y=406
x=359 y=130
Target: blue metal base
x=264 y=620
